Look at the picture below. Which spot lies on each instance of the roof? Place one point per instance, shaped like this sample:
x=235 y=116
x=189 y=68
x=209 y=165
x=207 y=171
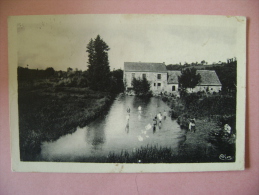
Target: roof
x=173 y=76
x=208 y=77
x=144 y=67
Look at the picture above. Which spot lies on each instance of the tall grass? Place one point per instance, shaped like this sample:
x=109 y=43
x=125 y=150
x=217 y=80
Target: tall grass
x=48 y=113
x=156 y=154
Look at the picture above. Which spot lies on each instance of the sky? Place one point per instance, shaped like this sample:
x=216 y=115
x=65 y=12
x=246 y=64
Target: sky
x=60 y=41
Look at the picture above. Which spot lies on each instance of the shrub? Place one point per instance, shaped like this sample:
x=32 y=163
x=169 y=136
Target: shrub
x=141 y=87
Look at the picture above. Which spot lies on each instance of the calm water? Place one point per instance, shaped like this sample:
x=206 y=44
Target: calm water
x=112 y=134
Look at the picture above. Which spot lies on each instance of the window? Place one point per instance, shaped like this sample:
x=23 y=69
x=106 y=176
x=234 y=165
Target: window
x=133 y=75
x=154 y=84
x=158 y=84
x=144 y=76
x=173 y=88
x=158 y=76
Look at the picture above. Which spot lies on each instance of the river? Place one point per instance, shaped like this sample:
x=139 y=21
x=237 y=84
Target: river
x=114 y=132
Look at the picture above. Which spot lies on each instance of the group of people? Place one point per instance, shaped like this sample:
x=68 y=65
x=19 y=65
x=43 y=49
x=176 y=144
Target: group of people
x=157 y=120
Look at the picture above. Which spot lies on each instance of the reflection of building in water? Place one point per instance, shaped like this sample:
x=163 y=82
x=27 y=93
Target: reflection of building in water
x=127 y=128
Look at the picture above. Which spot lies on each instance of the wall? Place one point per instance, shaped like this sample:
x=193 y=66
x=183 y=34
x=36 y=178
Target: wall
x=151 y=77
x=169 y=88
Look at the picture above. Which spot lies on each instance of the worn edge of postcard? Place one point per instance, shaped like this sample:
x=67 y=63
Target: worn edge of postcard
x=20 y=166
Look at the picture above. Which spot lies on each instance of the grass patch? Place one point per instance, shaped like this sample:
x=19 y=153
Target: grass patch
x=46 y=114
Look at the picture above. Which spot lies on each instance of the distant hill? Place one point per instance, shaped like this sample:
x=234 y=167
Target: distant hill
x=198 y=67
x=174 y=67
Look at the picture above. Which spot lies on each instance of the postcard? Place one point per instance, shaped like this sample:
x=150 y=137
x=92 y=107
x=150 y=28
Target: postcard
x=111 y=93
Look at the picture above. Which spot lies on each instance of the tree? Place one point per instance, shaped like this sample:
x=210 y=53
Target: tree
x=49 y=72
x=188 y=78
x=98 y=64
x=203 y=62
x=117 y=84
x=227 y=75
x=141 y=87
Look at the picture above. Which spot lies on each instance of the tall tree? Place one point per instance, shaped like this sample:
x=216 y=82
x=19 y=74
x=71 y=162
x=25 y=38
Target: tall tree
x=189 y=78
x=98 y=64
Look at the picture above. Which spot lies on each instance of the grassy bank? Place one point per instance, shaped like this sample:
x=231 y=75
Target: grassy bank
x=212 y=112
x=198 y=147
x=47 y=113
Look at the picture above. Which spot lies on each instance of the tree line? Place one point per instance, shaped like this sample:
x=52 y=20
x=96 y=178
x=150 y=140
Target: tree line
x=97 y=77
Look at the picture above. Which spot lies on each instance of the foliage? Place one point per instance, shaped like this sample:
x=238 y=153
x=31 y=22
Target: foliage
x=46 y=114
x=227 y=75
x=117 y=84
x=141 y=87
x=49 y=72
x=174 y=67
x=98 y=64
x=189 y=78
x=26 y=74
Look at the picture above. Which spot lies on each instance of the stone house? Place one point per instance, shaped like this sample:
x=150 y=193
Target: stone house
x=155 y=73
x=209 y=81
x=162 y=80
x=172 y=81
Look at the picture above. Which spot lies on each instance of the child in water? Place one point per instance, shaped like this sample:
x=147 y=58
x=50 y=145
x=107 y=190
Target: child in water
x=165 y=113
x=128 y=110
x=154 y=124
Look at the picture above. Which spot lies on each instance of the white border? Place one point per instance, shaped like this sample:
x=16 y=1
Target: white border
x=238 y=21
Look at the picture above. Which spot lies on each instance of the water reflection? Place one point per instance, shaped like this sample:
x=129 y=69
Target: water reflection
x=125 y=127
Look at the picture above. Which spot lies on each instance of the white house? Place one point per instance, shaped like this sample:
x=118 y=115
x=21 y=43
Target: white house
x=162 y=80
x=209 y=81
x=155 y=73
x=172 y=81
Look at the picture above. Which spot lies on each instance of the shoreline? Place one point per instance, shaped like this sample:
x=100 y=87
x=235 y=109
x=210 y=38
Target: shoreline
x=49 y=113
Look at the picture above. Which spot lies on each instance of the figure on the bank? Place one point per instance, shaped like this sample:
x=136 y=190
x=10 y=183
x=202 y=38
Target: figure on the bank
x=192 y=125
x=227 y=130
x=139 y=108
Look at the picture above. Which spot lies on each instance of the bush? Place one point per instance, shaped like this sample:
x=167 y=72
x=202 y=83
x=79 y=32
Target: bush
x=141 y=87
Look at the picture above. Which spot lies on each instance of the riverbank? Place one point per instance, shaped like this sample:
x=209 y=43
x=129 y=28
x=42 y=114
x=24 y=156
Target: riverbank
x=195 y=147
x=212 y=112
x=45 y=114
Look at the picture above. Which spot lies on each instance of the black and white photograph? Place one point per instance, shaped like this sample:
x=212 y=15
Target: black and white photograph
x=127 y=93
